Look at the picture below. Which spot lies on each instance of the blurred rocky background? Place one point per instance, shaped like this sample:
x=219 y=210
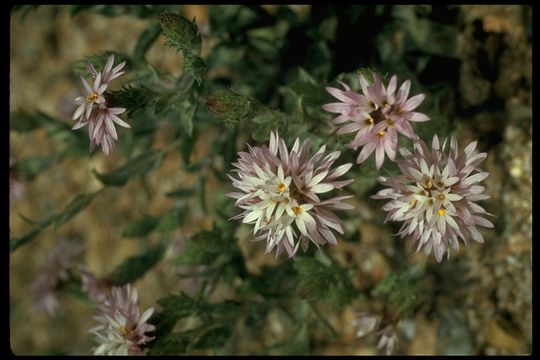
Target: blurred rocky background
x=480 y=301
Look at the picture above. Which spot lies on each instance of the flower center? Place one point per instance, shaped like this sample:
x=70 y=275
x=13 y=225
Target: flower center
x=428 y=184
x=381 y=133
x=441 y=197
x=390 y=122
x=369 y=121
x=297 y=210
x=441 y=212
x=413 y=203
x=92 y=97
x=281 y=188
x=123 y=331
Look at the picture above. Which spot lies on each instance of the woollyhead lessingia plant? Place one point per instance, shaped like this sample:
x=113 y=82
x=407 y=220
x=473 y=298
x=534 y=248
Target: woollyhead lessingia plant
x=280 y=194
x=239 y=133
x=376 y=116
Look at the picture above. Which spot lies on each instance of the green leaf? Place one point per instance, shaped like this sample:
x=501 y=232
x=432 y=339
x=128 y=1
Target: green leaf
x=181 y=193
x=214 y=337
x=138 y=166
x=31 y=166
x=23 y=122
x=79 y=203
x=146 y=39
x=173 y=219
x=180 y=305
x=15 y=243
x=132 y=98
x=136 y=266
x=142 y=227
x=203 y=248
x=171 y=344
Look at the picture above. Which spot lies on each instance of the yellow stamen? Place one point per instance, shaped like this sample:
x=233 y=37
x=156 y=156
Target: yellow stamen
x=413 y=203
x=122 y=330
x=441 y=197
x=390 y=122
x=369 y=121
x=441 y=212
x=429 y=184
x=297 y=210
x=281 y=188
x=381 y=133
x=92 y=97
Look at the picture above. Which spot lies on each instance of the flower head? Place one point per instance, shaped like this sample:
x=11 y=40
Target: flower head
x=279 y=192
x=94 y=110
x=54 y=270
x=388 y=340
x=377 y=116
x=121 y=329
x=366 y=323
x=435 y=197
x=95 y=288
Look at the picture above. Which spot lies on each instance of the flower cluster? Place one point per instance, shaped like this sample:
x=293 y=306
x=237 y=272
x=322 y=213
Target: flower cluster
x=367 y=323
x=435 y=196
x=93 y=108
x=279 y=191
x=377 y=116
x=122 y=328
x=55 y=270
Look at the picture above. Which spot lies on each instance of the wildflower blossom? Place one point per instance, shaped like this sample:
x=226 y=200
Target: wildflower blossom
x=54 y=270
x=96 y=112
x=384 y=326
x=435 y=197
x=121 y=329
x=377 y=116
x=95 y=288
x=388 y=340
x=366 y=323
x=279 y=192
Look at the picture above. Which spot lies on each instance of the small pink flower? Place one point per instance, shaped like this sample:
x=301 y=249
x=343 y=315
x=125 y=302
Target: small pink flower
x=54 y=270
x=435 y=197
x=122 y=328
x=377 y=116
x=101 y=117
x=280 y=194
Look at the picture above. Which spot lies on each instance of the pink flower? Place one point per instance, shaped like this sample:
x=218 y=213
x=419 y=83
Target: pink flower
x=100 y=118
x=388 y=340
x=435 y=197
x=121 y=329
x=377 y=116
x=280 y=194
x=95 y=288
x=54 y=270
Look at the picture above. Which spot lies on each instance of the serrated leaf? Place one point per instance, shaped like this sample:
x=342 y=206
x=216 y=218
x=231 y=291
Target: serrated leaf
x=180 y=305
x=135 y=167
x=214 y=337
x=171 y=344
x=146 y=39
x=141 y=227
x=79 y=203
x=203 y=248
x=136 y=266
